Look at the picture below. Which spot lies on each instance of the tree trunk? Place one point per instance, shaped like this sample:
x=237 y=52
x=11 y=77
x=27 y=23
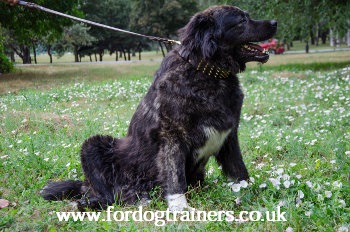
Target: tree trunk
x=34 y=52
x=133 y=53
x=101 y=55
x=312 y=36
x=49 y=53
x=139 y=49
x=90 y=57
x=123 y=50
x=348 y=38
x=337 y=40
x=331 y=38
x=76 y=56
x=116 y=55
x=12 y=55
x=26 y=55
x=129 y=53
x=317 y=34
x=95 y=57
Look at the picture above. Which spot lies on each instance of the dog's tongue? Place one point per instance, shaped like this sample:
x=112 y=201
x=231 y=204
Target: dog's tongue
x=256 y=46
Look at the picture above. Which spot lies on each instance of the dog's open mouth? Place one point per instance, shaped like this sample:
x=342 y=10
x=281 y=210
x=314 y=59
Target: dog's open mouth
x=253 y=52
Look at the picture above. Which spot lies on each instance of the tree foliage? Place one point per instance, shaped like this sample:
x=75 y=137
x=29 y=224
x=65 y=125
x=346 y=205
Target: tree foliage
x=5 y=65
x=299 y=18
x=27 y=25
x=24 y=28
x=75 y=37
x=113 y=13
x=160 y=17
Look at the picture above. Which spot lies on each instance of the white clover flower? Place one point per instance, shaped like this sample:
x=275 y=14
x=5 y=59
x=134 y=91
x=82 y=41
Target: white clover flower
x=275 y=182
x=328 y=194
x=286 y=183
x=347 y=153
x=263 y=185
x=285 y=177
x=238 y=201
x=278 y=148
x=298 y=201
x=298 y=176
x=252 y=180
x=243 y=183
x=279 y=171
x=68 y=164
x=333 y=161
x=300 y=194
x=289 y=229
x=309 y=184
x=236 y=187
x=308 y=213
x=337 y=184
x=343 y=229
x=342 y=203
x=292 y=164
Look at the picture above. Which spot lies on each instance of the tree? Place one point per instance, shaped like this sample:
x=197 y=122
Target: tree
x=75 y=37
x=301 y=18
x=161 y=18
x=5 y=65
x=26 y=26
x=114 y=13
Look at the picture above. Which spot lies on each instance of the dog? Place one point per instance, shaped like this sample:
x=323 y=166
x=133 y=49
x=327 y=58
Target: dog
x=190 y=112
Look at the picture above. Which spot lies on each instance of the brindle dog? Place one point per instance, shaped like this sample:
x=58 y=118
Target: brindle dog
x=190 y=112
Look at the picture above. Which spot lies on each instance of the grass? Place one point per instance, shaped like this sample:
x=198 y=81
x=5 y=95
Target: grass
x=294 y=135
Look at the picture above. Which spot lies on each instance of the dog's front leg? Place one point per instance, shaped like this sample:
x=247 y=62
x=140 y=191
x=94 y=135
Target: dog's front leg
x=171 y=164
x=230 y=158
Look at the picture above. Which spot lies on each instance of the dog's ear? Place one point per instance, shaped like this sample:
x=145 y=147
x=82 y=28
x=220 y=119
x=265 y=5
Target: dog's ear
x=198 y=35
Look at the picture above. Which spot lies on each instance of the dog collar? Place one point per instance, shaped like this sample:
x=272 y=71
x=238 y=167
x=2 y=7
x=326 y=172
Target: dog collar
x=211 y=70
x=205 y=67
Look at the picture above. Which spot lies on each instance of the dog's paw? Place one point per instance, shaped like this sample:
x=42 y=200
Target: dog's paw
x=178 y=202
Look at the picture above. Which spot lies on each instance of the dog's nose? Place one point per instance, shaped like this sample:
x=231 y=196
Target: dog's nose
x=273 y=23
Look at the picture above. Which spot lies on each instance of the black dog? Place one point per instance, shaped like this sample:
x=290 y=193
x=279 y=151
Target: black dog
x=190 y=112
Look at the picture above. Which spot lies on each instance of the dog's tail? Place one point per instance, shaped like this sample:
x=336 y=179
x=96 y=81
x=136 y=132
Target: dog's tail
x=55 y=191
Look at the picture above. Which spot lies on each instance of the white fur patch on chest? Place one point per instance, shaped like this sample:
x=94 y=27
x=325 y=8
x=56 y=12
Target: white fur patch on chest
x=214 y=142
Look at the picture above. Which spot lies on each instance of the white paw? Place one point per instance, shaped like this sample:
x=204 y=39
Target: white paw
x=178 y=202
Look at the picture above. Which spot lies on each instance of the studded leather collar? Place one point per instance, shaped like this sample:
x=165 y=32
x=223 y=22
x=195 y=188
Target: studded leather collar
x=207 y=68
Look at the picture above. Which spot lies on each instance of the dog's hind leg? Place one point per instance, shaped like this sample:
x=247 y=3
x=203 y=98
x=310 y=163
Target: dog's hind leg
x=99 y=169
x=230 y=158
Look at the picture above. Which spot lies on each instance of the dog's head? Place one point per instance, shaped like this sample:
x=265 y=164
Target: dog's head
x=227 y=30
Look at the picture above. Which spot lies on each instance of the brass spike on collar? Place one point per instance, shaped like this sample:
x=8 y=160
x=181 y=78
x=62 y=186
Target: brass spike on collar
x=212 y=70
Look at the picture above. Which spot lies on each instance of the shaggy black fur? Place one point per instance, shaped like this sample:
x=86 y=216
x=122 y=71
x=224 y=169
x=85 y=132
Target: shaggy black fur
x=186 y=116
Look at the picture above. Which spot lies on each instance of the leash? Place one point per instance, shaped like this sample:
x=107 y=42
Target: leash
x=154 y=38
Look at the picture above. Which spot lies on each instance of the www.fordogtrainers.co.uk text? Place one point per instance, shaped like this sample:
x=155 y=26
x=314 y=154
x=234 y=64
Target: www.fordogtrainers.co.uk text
x=160 y=218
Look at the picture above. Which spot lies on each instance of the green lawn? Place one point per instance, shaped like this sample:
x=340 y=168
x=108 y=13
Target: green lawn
x=294 y=136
